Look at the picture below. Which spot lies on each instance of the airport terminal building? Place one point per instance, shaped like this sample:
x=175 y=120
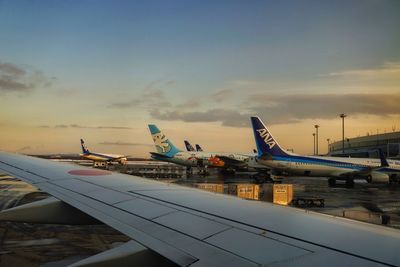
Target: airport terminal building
x=367 y=146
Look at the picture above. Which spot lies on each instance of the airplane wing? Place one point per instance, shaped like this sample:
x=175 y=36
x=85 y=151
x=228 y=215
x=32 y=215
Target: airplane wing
x=232 y=162
x=198 y=228
x=159 y=155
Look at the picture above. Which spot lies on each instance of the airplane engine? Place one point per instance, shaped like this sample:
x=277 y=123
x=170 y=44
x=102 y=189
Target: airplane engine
x=216 y=162
x=378 y=177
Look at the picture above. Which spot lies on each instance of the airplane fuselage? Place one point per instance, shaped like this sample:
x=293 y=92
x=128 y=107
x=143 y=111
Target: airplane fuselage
x=337 y=167
x=104 y=157
x=195 y=159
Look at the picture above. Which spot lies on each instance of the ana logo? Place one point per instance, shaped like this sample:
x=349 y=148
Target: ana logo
x=267 y=137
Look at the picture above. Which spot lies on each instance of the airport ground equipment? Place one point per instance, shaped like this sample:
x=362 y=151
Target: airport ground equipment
x=190 y=227
x=308 y=202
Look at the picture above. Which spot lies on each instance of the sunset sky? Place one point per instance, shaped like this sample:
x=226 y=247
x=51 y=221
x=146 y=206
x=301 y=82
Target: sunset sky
x=103 y=70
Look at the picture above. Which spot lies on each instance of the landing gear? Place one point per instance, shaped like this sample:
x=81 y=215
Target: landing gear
x=189 y=171
x=332 y=181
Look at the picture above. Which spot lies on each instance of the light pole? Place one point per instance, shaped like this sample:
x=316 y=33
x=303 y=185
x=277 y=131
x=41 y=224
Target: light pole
x=314 y=143
x=343 y=116
x=316 y=128
x=328 y=143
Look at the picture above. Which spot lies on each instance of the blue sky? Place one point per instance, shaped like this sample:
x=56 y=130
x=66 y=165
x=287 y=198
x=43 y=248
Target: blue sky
x=193 y=65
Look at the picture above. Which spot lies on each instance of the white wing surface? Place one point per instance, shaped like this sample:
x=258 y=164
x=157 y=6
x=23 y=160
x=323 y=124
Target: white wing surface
x=198 y=228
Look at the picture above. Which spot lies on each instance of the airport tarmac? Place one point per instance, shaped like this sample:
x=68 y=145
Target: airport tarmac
x=24 y=244
x=364 y=202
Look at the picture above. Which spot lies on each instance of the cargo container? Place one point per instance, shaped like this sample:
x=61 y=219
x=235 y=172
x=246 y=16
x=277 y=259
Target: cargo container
x=283 y=194
x=216 y=188
x=248 y=191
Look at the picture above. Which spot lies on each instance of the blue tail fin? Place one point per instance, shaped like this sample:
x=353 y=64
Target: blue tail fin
x=84 y=148
x=198 y=148
x=163 y=145
x=265 y=142
x=382 y=157
x=188 y=146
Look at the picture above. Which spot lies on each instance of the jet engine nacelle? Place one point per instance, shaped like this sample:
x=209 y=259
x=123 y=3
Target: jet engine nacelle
x=378 y=177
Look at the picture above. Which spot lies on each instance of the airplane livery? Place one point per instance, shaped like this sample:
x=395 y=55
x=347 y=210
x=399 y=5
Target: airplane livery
x=336 y=168
x=101 y=157
x=166 y=151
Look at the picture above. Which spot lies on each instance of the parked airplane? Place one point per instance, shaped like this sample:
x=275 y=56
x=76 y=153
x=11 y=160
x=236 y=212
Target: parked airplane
x=336 y=168
x=101 y=157
x=198 y=148
x=170 y=224
x=188 y=146
x=166 y=151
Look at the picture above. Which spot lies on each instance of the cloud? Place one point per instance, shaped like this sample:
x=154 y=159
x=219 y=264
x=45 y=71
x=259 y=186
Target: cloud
x=118 y=143
x=14 y=78
x=11 y=69
x=222 y=95
x=112 y=127
x=159 y=83
x=126 y=104
x=59 y=126
x=192 y=103
x=389 y=69
x=77 y=126
x=326 y=106
x=170 y=82
x=149 y=98
x=7 y=84
x=226 y=116
x=291 y=108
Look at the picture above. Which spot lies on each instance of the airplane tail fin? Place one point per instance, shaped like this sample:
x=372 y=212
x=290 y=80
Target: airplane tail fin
x=188 y=146
x=382 y=157
x=84 y=148
x=162 y=143
x=266 y=144
x=198 y=148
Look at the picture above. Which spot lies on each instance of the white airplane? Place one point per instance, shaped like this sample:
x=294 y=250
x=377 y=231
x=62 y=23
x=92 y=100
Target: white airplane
x=246 y=162
x=348 y=169
x=166 y=151
x=189 y=147
x=101 y=157
x=171 y=224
